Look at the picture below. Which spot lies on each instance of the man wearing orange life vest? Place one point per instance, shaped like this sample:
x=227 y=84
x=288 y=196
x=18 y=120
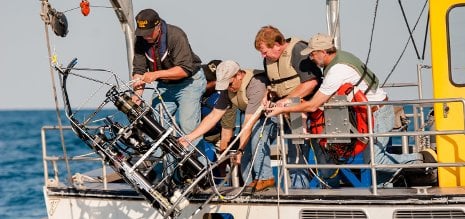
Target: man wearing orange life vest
x=340 y=67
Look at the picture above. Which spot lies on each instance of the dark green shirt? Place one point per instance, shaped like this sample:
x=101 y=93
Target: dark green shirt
x=179 y=53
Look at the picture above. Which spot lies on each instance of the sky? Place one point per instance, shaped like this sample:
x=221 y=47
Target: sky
x=216 y=30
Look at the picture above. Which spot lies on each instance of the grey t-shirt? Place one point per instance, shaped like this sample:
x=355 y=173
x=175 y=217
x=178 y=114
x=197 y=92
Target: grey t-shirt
x=302 y=64
x=255 y=92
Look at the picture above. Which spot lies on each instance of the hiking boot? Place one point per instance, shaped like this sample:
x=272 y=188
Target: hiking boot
x=253 y=183
x=429 y=156
x=263 y=184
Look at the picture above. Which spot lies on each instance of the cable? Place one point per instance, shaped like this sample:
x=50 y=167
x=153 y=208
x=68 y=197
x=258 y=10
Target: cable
x=254 y=154
x=406 y=44
x=372 y=33
x=45 y=7
x=92 y=6
x=222 y=158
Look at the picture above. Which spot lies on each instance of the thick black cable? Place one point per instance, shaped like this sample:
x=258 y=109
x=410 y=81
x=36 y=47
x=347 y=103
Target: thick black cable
x=426 y=37
x=408 y=28
x=372 y=33
x=405 y=47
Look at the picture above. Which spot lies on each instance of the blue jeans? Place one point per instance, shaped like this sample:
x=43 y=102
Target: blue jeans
x=298 y=154
x=384 y=122
x=261 y=168
x=183 y=100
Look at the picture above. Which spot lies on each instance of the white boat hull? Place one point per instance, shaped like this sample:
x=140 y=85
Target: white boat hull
x=72 y=205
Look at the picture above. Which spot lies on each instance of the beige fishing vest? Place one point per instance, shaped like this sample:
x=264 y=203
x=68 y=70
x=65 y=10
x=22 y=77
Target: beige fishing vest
x=239 y=98
x=282 y=69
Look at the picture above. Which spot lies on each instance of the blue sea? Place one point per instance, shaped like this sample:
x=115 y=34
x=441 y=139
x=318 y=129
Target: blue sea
x=21 y=167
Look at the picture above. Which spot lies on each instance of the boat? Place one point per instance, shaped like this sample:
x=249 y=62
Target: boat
x=121 y=138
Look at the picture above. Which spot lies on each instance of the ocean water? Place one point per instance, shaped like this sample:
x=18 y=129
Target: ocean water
x=21 y=167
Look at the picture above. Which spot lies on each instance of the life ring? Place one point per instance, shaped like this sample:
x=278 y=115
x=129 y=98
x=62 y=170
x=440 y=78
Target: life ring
x=341 y=150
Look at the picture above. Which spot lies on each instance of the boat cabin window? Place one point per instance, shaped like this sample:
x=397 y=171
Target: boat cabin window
x=456 y=24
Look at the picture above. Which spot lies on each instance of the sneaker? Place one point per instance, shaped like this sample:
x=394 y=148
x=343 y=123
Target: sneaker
x=429 y=178
x=424 y=176
x=429 y=156
x=263 y=184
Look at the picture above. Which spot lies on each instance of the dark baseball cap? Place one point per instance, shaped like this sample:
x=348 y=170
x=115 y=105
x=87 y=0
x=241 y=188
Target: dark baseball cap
x=146 y=21
x=210 y=69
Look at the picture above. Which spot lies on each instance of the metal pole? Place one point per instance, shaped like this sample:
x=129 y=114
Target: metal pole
x=124 y=12
x=420 y=94
x=405 y=149
x=281 y=144
x=332 y=20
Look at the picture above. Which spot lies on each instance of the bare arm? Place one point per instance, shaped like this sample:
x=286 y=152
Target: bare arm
x=304 y=89
x=246 y=132
x=138 y=87
x=247 y=129
x=307 y=106
x=174 y=73
x=207 y=123
x=226 y=135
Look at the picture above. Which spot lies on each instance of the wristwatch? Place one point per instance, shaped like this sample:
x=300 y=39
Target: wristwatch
x=241 y=150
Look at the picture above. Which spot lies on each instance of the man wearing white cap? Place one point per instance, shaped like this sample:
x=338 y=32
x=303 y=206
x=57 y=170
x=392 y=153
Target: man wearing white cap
x=244 y=89
x=341 y=67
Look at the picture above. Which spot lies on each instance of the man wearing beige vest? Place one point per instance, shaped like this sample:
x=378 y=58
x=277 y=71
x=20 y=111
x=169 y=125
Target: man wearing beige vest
x=291 y=75
x=244 y=89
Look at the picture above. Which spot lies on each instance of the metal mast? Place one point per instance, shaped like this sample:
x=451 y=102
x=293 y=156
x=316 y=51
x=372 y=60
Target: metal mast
x=332 y=19
x=124 y=12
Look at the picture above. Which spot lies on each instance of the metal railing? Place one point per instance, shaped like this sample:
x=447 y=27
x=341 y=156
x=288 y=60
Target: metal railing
x=51 y=162
x=46 y=159
x=282 y=137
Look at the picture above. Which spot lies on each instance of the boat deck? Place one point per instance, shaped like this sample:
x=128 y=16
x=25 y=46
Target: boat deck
x=345 y=195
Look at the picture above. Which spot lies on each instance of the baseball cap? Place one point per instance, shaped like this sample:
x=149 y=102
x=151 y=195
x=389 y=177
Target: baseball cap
x=146 y=21
x=224 y=72
x=318 y=42
x=210 y=69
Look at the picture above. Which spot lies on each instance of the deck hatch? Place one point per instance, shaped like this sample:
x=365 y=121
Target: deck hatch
x=431 y=213
x=318 y=213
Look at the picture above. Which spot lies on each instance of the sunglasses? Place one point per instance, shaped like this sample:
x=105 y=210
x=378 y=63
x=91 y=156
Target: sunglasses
x=232 y=80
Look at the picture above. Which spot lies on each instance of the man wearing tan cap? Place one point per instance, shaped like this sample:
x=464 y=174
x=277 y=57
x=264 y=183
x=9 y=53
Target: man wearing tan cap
x=341 y=67
x=244 y=89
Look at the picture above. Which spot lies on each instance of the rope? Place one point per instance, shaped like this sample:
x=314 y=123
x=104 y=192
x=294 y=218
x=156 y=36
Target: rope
x=315 y=174
x=222 y=158
x=92 y=6
x=54 y=91
x=249 y=123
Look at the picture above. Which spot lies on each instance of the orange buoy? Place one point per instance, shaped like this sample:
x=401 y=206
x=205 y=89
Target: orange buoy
x=85 y=8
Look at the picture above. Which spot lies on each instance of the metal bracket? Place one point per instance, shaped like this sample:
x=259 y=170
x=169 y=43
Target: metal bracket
x=337 y=120
x=422 y=190
x=445 y=110
x=298 y=122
